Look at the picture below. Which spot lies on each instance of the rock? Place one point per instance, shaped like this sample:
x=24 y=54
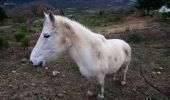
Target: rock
x=46 y=68
x=158 y=73
x=89 y=93
x=134 y=89
x=24 y=60
x=63 y=75
x=6 y=29
x=60 y=95
x=154 y=73
x=55 y=73
x=14 y=71
x=160 y=68
x=33 y=84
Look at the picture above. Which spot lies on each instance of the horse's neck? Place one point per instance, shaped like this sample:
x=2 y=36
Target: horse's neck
x=80 y=45
x=80 y=35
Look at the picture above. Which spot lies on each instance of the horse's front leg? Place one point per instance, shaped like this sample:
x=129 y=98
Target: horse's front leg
x=100 y=79
x=91 y=84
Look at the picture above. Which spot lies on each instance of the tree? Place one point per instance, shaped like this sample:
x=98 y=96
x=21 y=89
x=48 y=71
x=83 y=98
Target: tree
x=2 y=14
x=149 y=5
x=167 y=2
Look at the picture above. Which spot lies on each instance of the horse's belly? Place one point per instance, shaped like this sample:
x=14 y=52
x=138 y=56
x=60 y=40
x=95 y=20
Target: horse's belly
x=116 y=57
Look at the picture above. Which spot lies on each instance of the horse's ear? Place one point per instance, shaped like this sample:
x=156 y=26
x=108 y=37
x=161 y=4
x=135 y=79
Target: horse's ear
x=45 y=14
x=51 y=16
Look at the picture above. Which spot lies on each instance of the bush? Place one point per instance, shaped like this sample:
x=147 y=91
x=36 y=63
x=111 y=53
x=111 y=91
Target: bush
x=3 y=42
x=20 y=19
x=115 y=18
x=156 y=13
x=2 y=14
x=102 y=13
x=25 y=42
x=19 y=36
x=160 y=15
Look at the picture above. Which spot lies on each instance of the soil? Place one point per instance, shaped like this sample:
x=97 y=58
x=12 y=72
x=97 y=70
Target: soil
x=134 y=21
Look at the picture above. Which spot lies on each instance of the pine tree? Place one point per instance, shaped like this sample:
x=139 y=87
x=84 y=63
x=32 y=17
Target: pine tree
x=2 y=14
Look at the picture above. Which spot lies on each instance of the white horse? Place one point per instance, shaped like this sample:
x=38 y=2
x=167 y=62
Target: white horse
x=95 y=55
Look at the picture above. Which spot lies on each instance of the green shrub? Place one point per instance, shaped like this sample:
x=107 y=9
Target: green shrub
x=160 y=15
x=102 y=13
x=19 y=36
x=20 y=19
x=156 y=13
x=3 y=42
x=25 y=42
x=115 y=18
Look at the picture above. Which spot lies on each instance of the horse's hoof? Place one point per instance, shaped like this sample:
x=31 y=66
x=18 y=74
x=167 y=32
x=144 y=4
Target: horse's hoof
x=100 y=97
x=123 y=82
x=89 y=93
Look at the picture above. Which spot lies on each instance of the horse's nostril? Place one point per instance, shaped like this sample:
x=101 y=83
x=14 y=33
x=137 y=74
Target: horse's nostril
x=41 y=63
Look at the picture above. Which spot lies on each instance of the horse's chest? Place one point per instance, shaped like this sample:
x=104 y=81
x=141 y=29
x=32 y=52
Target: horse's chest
x=87 y=72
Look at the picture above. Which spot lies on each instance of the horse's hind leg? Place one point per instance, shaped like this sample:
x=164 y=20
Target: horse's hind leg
x=126 y=64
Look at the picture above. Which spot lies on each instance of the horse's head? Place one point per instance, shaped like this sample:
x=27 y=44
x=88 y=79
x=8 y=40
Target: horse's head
x=51 y=43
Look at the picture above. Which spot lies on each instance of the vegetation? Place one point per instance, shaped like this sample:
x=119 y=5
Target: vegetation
x=25 y=41
x=3 y=42
x=167 y=2
x=3 y=16
x=19 y=36
x=20 y=19
x=148 y=5
x=102 y=18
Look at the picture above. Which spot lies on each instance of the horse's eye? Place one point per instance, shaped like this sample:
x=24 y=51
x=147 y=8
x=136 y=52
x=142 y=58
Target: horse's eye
x=46 y=36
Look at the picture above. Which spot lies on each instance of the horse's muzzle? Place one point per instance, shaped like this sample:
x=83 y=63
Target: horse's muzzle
x=37 y=64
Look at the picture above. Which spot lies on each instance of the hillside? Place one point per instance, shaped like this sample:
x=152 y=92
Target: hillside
x=77 y=5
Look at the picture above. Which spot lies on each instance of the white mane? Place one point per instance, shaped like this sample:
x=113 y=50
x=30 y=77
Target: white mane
x=79 y=28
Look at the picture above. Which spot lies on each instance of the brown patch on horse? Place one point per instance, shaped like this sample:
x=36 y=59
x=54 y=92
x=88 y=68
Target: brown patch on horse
x=126 y=51
x=95 y=46
x=99 y=55
x=63 y=40
x=110 y=57
x=67 y=26
x=115 y=59
x=70 y=33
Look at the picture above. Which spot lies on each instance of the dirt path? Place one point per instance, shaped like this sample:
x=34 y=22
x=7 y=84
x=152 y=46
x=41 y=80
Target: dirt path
x=132 y=22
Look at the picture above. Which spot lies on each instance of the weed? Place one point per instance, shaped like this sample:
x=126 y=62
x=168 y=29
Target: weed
x=20 y=19
x=102 y=13
x=25 y=42
x=3 y=42
x=100 y=19
x=19 y=36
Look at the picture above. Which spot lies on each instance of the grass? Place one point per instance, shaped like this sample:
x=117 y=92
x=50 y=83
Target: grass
x=25 y=42
x=101 y=18
x=3 y=42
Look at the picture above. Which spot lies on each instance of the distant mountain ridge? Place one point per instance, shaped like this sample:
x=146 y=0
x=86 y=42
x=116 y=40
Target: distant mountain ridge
x=70 y=7
x=72 y=3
